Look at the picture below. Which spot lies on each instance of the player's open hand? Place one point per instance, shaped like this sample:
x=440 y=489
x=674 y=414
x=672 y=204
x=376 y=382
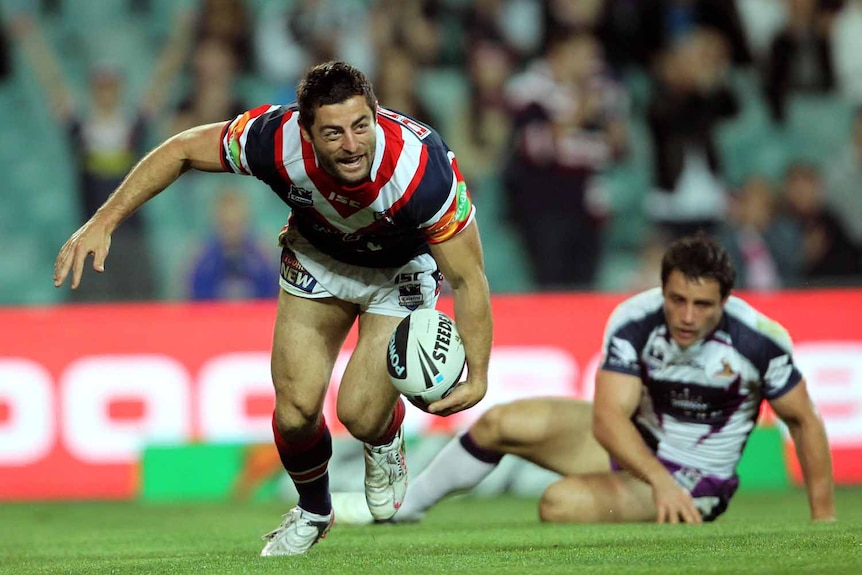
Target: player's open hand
x=464 y=396
x=91 y=238
x=674 y=504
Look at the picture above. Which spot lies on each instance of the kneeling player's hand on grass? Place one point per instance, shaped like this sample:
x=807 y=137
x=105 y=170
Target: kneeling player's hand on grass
x=674 y=504
x=464 y=396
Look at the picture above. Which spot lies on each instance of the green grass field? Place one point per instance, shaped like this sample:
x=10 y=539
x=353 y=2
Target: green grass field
x=761 y=533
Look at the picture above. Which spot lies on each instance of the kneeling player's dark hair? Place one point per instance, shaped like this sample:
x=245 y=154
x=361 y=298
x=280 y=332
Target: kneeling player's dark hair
x=699 y=257
x=331 y=83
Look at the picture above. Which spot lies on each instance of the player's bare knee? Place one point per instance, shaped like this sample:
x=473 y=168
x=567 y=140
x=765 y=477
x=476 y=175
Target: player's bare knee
x=496 y=429
x=567 y=501
x=486 y=432
x=363 y=425
x=295 y=420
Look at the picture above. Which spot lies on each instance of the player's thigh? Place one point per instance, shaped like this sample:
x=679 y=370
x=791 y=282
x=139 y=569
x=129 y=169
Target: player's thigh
x=307 y=337
x=553 y=432
x=366 y=396
x=614 y=497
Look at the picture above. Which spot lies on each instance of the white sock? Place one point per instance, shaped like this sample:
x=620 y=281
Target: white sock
x=453 y=469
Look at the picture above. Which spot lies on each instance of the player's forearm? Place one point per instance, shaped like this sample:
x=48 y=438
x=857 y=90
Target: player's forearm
x=155 y=172
x=812 y=449
x=195 y=148
x=475 y=324
x=620 y=438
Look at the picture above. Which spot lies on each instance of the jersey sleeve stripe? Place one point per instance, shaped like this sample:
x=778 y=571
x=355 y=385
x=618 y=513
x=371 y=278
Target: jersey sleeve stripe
x=448 y=206
x=236 y=136
x=458 y=210
x=225 y=163
x=279 y=147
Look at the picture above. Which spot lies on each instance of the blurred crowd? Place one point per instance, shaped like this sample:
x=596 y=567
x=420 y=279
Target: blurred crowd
x=559 y=109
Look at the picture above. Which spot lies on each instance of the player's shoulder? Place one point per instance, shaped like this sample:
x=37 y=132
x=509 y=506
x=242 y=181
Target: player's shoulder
x=750 y=326
x=413 y=131
x=641 y=309
x=262 y=121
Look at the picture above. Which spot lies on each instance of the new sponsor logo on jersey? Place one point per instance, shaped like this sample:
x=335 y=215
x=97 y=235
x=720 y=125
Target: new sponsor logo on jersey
x=299 y=196
x=296 y=275
x=410 y=296
x=463 y=204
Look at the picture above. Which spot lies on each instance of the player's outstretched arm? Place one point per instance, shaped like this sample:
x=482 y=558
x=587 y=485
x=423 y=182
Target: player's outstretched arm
x=616 y=398
x=462 y=263
x=806 y=428
x=197 y=148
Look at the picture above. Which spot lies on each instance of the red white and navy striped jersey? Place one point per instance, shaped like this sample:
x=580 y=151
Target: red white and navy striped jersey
x=415 y=195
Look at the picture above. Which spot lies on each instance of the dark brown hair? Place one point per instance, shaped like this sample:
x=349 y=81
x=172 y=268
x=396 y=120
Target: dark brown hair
x=331 y=83
x=699 y=257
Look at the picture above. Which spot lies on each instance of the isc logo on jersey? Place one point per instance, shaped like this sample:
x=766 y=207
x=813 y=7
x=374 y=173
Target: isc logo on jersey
x=425 y=357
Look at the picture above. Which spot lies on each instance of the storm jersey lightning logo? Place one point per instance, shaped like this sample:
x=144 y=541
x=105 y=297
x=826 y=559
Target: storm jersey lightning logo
x=429 y=371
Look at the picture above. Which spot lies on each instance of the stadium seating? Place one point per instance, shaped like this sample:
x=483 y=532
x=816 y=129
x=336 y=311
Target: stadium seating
x=38 y=208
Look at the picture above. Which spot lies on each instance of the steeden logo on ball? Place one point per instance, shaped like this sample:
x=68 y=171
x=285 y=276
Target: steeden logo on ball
x=425 y=357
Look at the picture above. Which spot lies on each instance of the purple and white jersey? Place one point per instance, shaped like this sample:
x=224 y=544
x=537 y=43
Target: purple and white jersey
x=700 y=404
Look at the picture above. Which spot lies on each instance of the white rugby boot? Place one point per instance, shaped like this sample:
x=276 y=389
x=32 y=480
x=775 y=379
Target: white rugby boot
x=351 y=508
x=298 y=532
x=385 y=477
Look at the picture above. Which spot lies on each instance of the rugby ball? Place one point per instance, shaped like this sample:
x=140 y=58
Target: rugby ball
x=425 y=357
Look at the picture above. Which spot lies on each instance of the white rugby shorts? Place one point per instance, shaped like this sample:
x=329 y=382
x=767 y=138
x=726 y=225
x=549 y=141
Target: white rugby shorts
x=306 y=272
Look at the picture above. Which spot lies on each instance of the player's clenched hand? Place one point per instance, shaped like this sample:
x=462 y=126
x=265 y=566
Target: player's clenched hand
x=674 y=504
x=464 y=396
x=91 y=238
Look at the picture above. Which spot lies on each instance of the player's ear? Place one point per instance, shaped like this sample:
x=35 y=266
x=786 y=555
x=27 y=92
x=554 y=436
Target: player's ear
x=306 y=135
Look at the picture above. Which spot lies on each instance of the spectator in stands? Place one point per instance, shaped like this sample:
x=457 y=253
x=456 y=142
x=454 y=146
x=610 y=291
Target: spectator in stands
x=844 y=177
x=106 y=141
x=291 y=36
x=829 y=257
x=213 y=94
x=229 y=22
x=691 y=97
x=761 y=21
x=396 y=85
x=515 y=24
x=5 y=51
x=232 y=265
x=569 y=124
x=800 y=57
x=846 y=48
x=480 y=129
x=637 y=32
x=647 y=272
x=765 y=247
x=562 y=17
x=411 y=24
